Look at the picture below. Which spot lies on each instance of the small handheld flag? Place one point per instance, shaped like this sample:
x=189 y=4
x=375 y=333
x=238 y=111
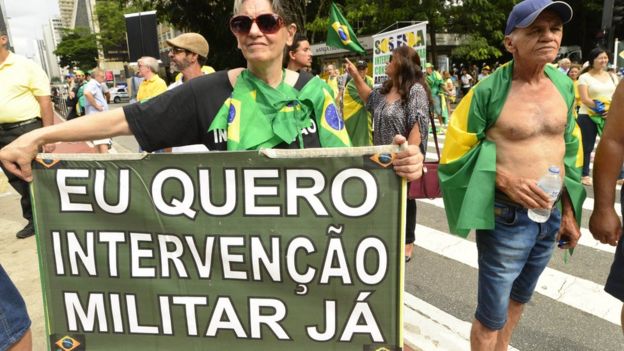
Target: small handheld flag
x=339 y=32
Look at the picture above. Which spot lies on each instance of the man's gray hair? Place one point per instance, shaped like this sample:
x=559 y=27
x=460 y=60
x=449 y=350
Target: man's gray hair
x=150 y=62
x=276 y=5
x=96 y=71
x=4 y=32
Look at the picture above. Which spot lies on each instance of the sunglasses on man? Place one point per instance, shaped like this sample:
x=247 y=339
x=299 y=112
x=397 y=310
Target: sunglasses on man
x=175 y=50
x=268 y=23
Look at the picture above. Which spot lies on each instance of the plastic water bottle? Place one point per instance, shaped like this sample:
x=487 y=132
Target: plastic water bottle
x=551 y=184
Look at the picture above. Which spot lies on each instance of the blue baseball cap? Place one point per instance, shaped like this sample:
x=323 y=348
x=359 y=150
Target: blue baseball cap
x=525 y=12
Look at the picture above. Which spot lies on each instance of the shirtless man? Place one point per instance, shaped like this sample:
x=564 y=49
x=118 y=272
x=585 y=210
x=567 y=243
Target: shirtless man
x=503 y=138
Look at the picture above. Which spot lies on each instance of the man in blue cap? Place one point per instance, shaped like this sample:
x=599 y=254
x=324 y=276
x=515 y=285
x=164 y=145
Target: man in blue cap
x=505 y=135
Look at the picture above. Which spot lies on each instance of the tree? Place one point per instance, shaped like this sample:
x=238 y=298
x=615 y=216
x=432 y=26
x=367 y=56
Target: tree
x=483 y=21
x=112 y=22
x=78 y=48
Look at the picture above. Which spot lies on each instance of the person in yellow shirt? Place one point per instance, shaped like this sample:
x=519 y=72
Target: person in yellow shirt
x=573 y=72
x=25 y=105
x=332 y=78
x=152 y=85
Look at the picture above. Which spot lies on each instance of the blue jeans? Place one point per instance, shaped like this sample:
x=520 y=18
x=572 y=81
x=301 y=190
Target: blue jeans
x=511 y=259
x=14 y=321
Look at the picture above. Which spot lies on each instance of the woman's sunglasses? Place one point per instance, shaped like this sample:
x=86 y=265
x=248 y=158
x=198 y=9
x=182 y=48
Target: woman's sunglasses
x=268 y=23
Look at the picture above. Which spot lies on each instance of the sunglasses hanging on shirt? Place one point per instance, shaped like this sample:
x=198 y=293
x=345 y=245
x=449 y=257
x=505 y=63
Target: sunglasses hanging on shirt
x=268 y=23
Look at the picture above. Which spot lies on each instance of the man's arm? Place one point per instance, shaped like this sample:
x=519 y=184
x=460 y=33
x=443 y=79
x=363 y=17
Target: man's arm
x=47 y=113
x=604 y=223
x=47 y=117
x=363 y=89
x=18 y=155
x=91 y=99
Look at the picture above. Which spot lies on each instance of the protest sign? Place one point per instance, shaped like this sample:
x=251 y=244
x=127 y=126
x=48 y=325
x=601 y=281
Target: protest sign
x=383 y=43
x=231 y=251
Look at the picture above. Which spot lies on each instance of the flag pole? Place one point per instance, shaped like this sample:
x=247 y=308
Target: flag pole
x=615 y=53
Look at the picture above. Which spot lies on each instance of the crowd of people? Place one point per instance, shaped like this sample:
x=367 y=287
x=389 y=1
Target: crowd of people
x=491 y=163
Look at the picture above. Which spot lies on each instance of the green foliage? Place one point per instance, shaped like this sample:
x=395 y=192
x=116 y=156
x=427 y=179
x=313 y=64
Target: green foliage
x=78 y=48
x=476 y=49
x=484 y=22
x=112 y=23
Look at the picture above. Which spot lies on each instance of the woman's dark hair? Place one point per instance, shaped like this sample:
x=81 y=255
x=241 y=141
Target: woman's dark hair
x=408 y=72
x=597 y=51
x=295 y=45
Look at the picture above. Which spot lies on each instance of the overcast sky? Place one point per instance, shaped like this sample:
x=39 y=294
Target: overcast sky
x=25 y=18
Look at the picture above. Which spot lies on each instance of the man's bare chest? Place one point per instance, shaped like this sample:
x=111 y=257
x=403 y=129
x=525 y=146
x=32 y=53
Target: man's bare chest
x=532 y=113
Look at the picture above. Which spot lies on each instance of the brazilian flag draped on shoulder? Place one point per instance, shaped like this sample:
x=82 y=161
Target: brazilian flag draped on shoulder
x=339 y=32
x=467 y=168
x=258 y=116
x=357 y=119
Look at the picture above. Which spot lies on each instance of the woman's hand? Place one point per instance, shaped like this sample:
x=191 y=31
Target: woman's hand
x=409 y=162
x=18 y=155
x=350 y=67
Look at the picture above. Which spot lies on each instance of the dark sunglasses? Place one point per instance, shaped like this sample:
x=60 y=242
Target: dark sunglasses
x=268 y=23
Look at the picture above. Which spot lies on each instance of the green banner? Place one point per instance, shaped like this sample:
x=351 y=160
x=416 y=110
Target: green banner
x=223 y=251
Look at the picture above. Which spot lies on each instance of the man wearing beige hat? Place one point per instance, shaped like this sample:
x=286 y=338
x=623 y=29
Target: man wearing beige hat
x=188 y=55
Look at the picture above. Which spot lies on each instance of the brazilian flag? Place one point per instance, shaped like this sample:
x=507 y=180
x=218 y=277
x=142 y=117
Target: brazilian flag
x=467 y=168
x=339 y=32
x=358 y=121
x=601 y=106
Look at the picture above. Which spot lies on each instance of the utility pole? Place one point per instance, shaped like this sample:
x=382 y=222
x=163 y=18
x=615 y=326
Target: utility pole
x=607 y=25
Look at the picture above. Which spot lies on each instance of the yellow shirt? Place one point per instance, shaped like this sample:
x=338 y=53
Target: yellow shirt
x=577 y=96
x=20 y=81
x=333 y=83
x=151 y=87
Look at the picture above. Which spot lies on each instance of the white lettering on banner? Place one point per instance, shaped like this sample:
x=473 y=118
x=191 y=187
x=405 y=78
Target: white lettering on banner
x=112 y=239
x=225 y=308
x=260 y=258
x=227 y=258
x=154 y=256
x=310 y=194
x=175 y=207
x=83 y=318
x=330 y=324
x=230 y=193
x=95 y=311
x=173 y=256
x=175 y=192
x=88 y=315
x=254 y=191
x=124 y=191
x=65 y=190
x=190 y=307
x=370 y=197
x=133 y=318
x=137 y=253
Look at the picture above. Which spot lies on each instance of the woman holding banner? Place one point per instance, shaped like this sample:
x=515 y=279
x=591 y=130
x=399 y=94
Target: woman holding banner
x=399 y=107
x=261 y=106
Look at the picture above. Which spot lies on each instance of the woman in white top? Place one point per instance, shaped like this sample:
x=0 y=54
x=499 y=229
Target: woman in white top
x=594 y=84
